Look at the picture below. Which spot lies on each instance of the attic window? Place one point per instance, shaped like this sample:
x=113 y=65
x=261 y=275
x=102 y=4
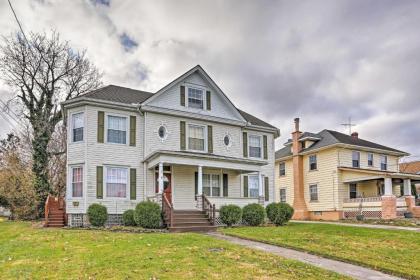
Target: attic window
x=195 y=98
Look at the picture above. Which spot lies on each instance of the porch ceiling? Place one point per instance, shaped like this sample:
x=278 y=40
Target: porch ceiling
x=380 y=173
x=205 y=160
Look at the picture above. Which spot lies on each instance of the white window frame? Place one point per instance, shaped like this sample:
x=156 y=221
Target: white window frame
x=188 y=136
x=316 y=162
x=210 y=174
x=350 y=191
x=386 y=162
x=373 y=160
x=249 y=185
x=284 y=169
x=352 y=159
x=317 y=193
x=196 y=87
x=127 y=124
x=127 y=187
x=261 y=145
x=285 y=195
x=71 y=126
x=70 y=181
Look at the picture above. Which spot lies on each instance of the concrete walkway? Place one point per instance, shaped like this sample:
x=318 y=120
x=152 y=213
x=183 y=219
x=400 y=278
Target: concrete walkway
x=343 y=268
x=361 y=225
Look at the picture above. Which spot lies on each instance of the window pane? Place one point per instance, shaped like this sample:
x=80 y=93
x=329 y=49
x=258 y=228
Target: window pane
x=77 y=182
x=78 y=134
x=313 y=189
x=282 y=195
x=195 y=98
x=254 y=146
x=77 y=120
x=77 y=125
x=282 y=169
x=196 y=137
x=253 y=186
x=215 y=185
x=117 y=130
x=116 y=182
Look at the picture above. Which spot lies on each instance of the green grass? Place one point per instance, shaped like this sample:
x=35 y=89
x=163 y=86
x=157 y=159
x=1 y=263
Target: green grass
x=393 y=251
x=36 y=253
x=415 y=222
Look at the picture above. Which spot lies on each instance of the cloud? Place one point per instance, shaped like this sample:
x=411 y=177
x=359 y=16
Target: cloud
x=320 y=60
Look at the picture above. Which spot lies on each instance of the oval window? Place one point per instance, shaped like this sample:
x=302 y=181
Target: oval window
x=162 y=132
x=226 y=140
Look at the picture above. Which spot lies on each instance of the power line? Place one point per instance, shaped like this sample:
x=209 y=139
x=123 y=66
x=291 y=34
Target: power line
x=18 y=22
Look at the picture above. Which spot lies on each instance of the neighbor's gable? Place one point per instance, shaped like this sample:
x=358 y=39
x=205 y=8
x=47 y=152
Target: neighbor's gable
x=195 y=92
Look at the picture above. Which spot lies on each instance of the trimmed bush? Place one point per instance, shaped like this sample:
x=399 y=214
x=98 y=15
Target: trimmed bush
x=279 y=213
x=128 y=218
x=97 y=215
x=230 y=214
x=253 y=214
x=148 y=214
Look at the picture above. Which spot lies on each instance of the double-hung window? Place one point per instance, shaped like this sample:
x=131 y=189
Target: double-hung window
x=195 y=98
x=282 y=168
x=196 y=137
x=253 y=183
x=116 y=182
x=355 y=156
x=211 y=184
x=313 y=191
x=384 y=162
x=282 y=195
x=370 y=159
x=77 y=181
x=353 y=190
x=255 y=146
x=312 y=162
x=117 y=130
x=77 y=124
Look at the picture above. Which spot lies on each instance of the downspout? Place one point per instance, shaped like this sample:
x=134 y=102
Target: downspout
x=144 y=151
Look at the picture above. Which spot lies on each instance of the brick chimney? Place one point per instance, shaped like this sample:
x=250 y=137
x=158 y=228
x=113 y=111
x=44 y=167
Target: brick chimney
x=299 y=204
x=355 y=135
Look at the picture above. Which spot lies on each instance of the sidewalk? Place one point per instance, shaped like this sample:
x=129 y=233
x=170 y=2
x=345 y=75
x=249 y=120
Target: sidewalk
x=360 y=225
x=343 y=268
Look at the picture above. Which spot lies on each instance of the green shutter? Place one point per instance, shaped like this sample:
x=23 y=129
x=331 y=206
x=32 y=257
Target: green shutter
x=245 y=143
x=265 y=146
x=245 y=186
x=133 y=180
x=266 y=189
x=210 y=139
x=132 y=130
x=225 y=185
x=182 y=95
x=99 y=182
x=196 y=184
x=208 y=99
x=182 y=136
x=101 y=126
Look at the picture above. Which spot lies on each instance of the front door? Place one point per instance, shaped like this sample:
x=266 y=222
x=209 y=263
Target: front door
x=167 y=185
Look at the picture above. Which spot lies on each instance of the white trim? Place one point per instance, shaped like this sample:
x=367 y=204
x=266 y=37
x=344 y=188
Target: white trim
x=69 y=179
x=204 y=96
x=373 y=159
x=359 y=158
x=127 y=128
x=261 y=145
x=127 y=188
x=317 y=192
x=205 y=127
x=71 y=126
x=211 y=173
x=256 y=175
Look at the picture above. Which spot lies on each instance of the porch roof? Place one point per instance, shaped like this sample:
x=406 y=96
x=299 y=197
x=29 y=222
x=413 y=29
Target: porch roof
x=367 y=174
x=203 y=159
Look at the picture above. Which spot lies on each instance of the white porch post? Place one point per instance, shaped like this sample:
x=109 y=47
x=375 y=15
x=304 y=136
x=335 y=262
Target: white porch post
x=200 y=180
x=407 y=187
x=260 y=185
x=160 y=179
x=388 y=186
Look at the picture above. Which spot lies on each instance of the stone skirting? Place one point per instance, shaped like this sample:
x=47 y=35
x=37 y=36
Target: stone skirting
x=82 y=220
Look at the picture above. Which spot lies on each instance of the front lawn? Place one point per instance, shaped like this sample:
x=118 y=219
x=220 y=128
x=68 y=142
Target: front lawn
x=391 y=251
x=37 y=253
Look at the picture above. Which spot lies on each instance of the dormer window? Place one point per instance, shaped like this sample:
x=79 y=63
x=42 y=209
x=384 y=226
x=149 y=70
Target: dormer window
x=195 y=98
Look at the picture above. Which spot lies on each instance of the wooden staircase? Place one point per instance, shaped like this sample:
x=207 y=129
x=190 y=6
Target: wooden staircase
x=190 y=220
x=55 y=212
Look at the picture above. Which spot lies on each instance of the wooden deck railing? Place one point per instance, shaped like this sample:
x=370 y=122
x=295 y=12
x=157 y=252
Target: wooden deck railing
x=168 y=210
x=47 y=209
x=210 y=209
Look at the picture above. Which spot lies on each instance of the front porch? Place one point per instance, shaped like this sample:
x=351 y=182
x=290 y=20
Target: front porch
x=380 y=197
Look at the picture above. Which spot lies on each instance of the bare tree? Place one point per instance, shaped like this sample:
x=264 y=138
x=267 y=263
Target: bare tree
x=44 y=71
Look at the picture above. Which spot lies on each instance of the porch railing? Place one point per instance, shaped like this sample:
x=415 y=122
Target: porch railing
x=47 y=209
x=210 y=209
x=363 y=199
x=168 y=210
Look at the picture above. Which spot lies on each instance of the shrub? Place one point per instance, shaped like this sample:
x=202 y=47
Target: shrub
x=128 y=218
x=279 y=213
x=253 y=214
x=230 y=214
x=97 y=215
x=148 y=214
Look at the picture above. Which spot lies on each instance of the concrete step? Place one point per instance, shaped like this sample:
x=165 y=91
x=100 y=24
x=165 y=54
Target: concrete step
x=189 y=224
x=192 y=228
x=188 y=219
x=189 y=212
x=186 y=215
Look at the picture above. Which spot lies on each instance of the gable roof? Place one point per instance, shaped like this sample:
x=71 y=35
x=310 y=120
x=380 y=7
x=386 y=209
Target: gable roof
x=254 y=120
x=331 y=137
x=410 y=167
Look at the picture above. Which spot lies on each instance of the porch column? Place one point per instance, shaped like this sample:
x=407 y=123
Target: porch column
x=200 y=180
x=407 y=187
x=160 y=179
x=260 y=185
x=388 y=186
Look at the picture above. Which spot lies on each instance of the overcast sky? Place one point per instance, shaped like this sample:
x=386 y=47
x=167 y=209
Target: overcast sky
x=322 y=61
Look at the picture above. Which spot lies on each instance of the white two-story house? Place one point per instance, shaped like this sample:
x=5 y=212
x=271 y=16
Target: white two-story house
x=187 y=141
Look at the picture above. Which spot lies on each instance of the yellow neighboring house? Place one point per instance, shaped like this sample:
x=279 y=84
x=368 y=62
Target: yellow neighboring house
x=330 y=175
